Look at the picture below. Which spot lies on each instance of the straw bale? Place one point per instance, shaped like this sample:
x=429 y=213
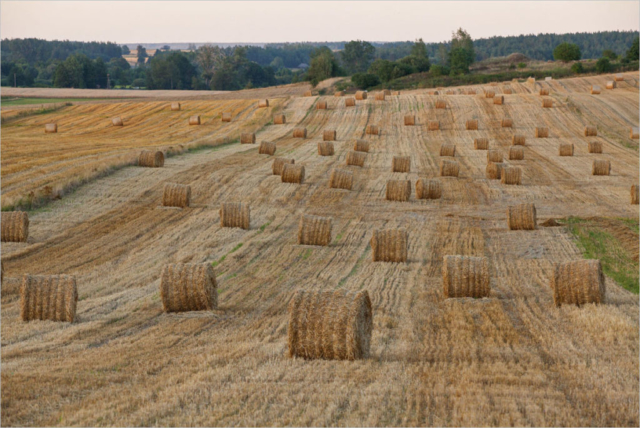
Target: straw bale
x=494 y=156
x=449 y=168
x=472 y=124
x=188 y=287
x=325 y=148
x=356 y=158
x=267 y=148
x=565 y=149
x=361 y=146
x=578 y=282
x=479 y=144
x=465 y=276
x=279 y=119
x=595 y=147
x=494 y=170
x=176 y=195
x=329 y=135
x=248 y=138
x=409 y=120
x=300 y=133
x=601 y=167
x=341 y=179
x=389 y=245
x=278 y=164
x=428 y=189
x=401 y=163
x=511 y=175
x=521 y=217
x=314 y=230
x=194 y=120
x=292 y=173
x=15 y=226
x=590 y=131
x=398 y=190
x=447 y=149
x=52 y=297
x=151 y=158
x=235 y=214
x=50 y=128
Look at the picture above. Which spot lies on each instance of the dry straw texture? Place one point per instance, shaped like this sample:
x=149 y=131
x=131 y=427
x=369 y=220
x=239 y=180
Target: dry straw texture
x=117 y=121
x=409 y=120
x=547 y=102
x=188 y=287
x=292 y=173
x=428 y=189
x=341 y=179
x=464 y=276
x=194 y=120
x=494 y=156
x=398 y=190
x=401 y=164
x=498 y=100
x=338 y=94
x=300 y=133
x=372 y=130
x=531 y=80
x=279 y=163
x=634 y=194
x=449 y=92
x=618 y=78
x=595 y=147
x=611 y=84
x=489 y=94
x=578 y=283
x=267 y=148
x=601 y=167
x=235 y=214
x=50 y=128
x=314 y=230
x=447 y=149
x=361 y=146
x=506 y=122
x=511 y=175
x=449 y=168
x=590 y=131
x=51 y=297
x=226 y=117
x=380 y=96
x=634 y=134
x=479 y=144
x=565 y=149
x=518 y=140
x=175 y=106
x=471 y=92
x=279 y=119
x=387 y=92
x=522 y=217
x=494 y=170
x=330 y=325
x=433 y=125
x=151 y=158
x=471 y=124
x=595 y=90
x=516 y=153
x=308 y=94
x=176 y=195
x=248 y=138
x=389 y=245
x=350 y=102
x=395 y=92
x=441 y=104
x=507 y=91
x=321 y=105
x=15 y=226
x=356 y=158
x=544 y=91
x=263 y=103
x=542 y=132
x=329 y=135
x=325 y=148
x=361 y=95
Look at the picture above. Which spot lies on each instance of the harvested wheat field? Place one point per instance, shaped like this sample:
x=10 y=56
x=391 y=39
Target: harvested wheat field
x=511 y=358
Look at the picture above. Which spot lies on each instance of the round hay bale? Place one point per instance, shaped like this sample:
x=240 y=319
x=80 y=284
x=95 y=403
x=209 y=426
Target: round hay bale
x=498 y=100
x=449 y=168
x=278 y=164
x=409 y=120
x=464 y=276
x=361 y=146
x=349 y=102
x=361 y=95
x=176 y=195
x=372 y=130
x=356 y=158
x=50 y=128
x=544 y=91
x=601 y=167
x=472 y=125
x=226 y=117
x=52 y=297
x=117 y=121
x=329 y=135
x=522 y=217
x=547 y=102
x=595 y=147
x=314 y=230
x=338 y=93
x=341 y=179
x=279 y=119
x=175 y=106
x=292 y=173
x=531 y=80
x=428 y=189
x=507 y=91
x=448 y=149
x=389 y=245
x=401 y=164
x=151 y=159
x=611 y=84
x=511 y=175
x=441 y=104
x=518 y=140
x=595 y=90
x=308 y=94
x=325 y=148
x=433 y=125
x=494 y=156
x=235 y=214
x=194 y=120
x=565 y=149
x=516 y=153
x=321 y=105
x=506 y=122
x=398 y=190
x=449 y=92
x=380 y=96
x=267 y=148
x=618 y=78
x=300 y=133
x=578 y=282
x=330 y=325
x=494 y=170
x=263 y=103
x=248 y=138
x=15 y=226
x=188 y=287
x=489 y=94
x=634 y=134
x=478 y=144
x=590 y=131
x=634 y=194
x=542 y=132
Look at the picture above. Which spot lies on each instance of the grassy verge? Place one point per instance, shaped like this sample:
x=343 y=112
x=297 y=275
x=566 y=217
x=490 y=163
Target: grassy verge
x=33 y=112
x=16 y=101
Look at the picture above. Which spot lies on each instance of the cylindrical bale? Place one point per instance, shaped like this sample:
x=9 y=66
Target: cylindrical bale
x=507 y=91
x=595 y=90
x=292 y=173
x=279 y=119
x=330 y=325
x=175 y=106
x=300 y=133
x=278 y=164
x=522 y=217
x=117 y=121
x=263 y=103
x=314 y=230
x=329 y=135
x=590 y=131
x=341 y=179
x=50 y=128
x=494 y=170
x=389 y=245
x=15 y=226
x=531 y=80
x=618 y=78
x=176 y=195
x=401 y=164
x=601 y=167
x=308 y=94
x=479 y=144
x=472 y=125
x=361 y=146
x=511 y=175
x=518 y=140
x=350 y=102
x=441 y=104
x=398 y=190
x=595 y=147
x=338 y=93
x=188 y=287
x=433 y=125
x=498 y=100
x=428 y=189
x=544 y=91
x=547 y=102
x=634 y=134
x=578 y=283
x=447 y=149
x=52 y=297
x=449 y=168
x=194 y=120
x=248 y=138
x=494 y=156
x=321 y=105
x=235 y=214
x=151 y=159
x=226 y=117
x=409 y=120
x=356 y=158
x=361 y=95
x=565 y=149
x=267 y=148
x=516 y=153
x=634 y=194
x=542 y=132
x=465 y=276
x=611 y=84
x=372 y=130
x=325 y=148
x=380 y=96
x=489 y=94
x=506 y=122
x=449 y=92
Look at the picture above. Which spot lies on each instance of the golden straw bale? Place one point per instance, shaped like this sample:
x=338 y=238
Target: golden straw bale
x=235 y=214
x=595 y=147
x=330 y=325
x=518 y=140
x=434 y=93
x=611 y=84
x=578 y=282
x=634 y=134
x=507 y=91
x=398 y=190
x=194 y=120
x=314 y=230
x=361 y=95
x=176 y=195
x=618 y=78
x=447 y=149
x=52 y=297
x=544 y=91
x=361 y=146
x=279 y=119
x=494 y=170
x=292 y=173
x=356 y=158
x=263 y=103
x=226 y=117
x=449 y=92
x=498 y=99
x=308 y=94
x=441 y=104
x=465 y=276
x=389 y=245
x=479 y=144
x=117 y=121
x=516 y=153
x=522 y=217
x=401 y=163
x=590 y=131
x=634 y=194
x=321 y=105
x=325 y=148
x=428 y=189
x=506 y=122
x=380 y=96
x=489 y=94
x=565 y=149
x=329 y=135
x=350 y=102
x=601 y=167
x=248 y=138
x=547 y=102
x=300 y=133
x=511 y=175
x=472 y=125
x=542 y=132
x=449 y=168
x=267 y=148
x=433 y=125
x=372 y=130
x=151 y=158
x=50 y=128
x=494 y=156
x=278 y=164
x=531 y=80
x=15 y=226
x=175 y=106
x=338 y=94
x=409 y=120
x=341 y=179
x=595 y=90
x=188 y=287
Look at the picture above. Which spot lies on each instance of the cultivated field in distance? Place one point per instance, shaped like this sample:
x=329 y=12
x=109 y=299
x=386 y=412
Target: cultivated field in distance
x=513 y=358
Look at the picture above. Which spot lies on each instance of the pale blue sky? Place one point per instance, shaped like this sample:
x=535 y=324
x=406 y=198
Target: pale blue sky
x=271 y=21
